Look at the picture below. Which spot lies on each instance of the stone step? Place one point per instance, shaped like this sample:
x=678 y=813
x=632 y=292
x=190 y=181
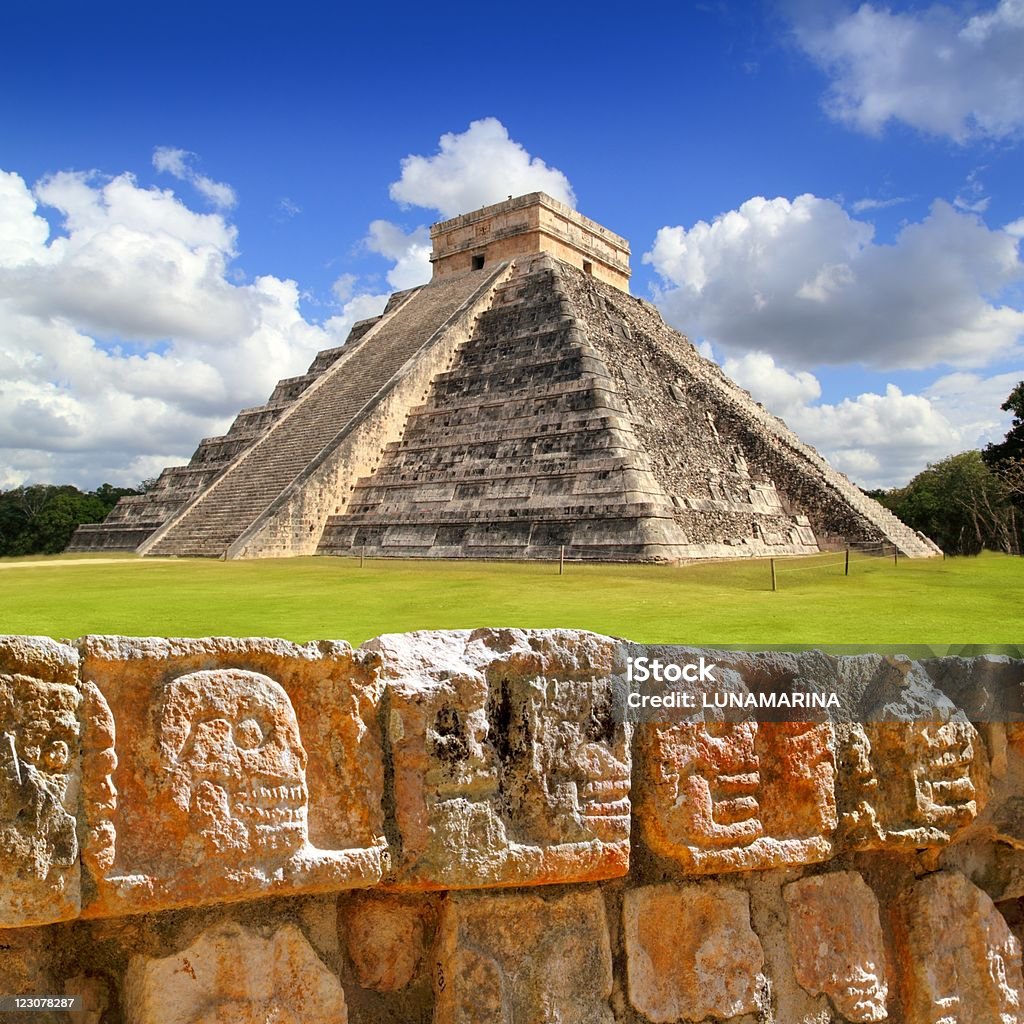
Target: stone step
x=327 y=407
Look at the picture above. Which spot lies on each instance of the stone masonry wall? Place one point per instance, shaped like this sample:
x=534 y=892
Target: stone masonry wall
x=457 y=828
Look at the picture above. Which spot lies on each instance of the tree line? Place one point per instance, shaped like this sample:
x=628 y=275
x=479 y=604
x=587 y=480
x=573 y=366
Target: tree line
x=973 y=500
x=39 y=519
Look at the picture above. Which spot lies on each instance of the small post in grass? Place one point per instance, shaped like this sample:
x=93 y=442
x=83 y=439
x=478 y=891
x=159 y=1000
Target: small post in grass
x=775 y=584
x=847 y=570
x=561 y=560
x=362 y=554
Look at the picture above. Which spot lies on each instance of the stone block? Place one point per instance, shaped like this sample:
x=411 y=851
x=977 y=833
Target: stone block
x=691 y=952
x=835 y=938
x=40 y=776
x=233 y=975
x=229 y=769
x=511 y=957
x=909 y=785
x=959 y=961
x=385 y=936
x=739 y=796
x=509 y=766
x=26 y=970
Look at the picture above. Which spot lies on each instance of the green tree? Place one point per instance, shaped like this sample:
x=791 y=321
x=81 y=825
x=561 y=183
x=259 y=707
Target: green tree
x=40 y=518
x=1011 y=448
x=961 y=504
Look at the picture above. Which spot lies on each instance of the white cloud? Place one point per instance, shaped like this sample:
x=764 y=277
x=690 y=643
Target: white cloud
x=1016 y=228
x=409 y=252
x=475 y=168
x=169 y=160
x=178 y=163
x=779 y=390
x=130 y=335
x=929 y=68
x=973 y=401
x=805 y=282
x=344 y=287
x=864 y=205
x=122 y=341
x=881 y=440
x=482 y=165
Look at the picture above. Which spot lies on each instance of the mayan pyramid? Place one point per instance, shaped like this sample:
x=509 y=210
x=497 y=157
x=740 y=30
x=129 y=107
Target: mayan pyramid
x=520 y=402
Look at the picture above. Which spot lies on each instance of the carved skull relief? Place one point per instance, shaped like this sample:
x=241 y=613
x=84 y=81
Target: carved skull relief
x=230 y=743
x=924 y=803
x=707 y=782
x=736 y=796
x=564 y=765
x=38 y=776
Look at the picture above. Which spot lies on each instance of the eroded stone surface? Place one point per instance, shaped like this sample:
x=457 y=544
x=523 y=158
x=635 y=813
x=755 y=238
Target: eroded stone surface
x=836 y=943
x=959 y=960
x=234 y=769
x=908 y=784
x=509 y=766
x=233 y=975
x=40 y=775
x=385 y=936
x=511 y=957
x=721 y=796
x=690 y=951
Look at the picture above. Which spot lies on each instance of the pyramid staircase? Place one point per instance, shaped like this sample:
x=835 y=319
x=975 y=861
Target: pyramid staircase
x=326 y=410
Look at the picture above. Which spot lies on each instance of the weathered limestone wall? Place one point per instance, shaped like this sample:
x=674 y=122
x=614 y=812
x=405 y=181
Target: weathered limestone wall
x=458 y=828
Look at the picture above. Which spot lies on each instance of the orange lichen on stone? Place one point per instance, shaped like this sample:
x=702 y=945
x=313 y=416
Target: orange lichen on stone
x=691 y=952
x=511 y=957
x=737 y=796
x=232 y=975
x=836 y=943
x=235 y=768
x=959 y=962
x=40 y=776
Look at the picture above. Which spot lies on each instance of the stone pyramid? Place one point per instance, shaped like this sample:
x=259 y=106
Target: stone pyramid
x=521 y=402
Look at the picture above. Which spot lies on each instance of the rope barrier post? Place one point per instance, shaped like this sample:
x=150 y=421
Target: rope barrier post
x=846 y=572
x=775 y=583
x=561 y=560
x=362 y=554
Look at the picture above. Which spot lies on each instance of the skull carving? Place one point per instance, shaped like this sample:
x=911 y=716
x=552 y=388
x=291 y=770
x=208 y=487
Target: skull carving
x=38 y=776
x=236 y=767
x=563 y=763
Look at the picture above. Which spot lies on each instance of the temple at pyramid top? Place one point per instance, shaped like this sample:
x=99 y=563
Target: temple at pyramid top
x=520 y=404
x=525 y=226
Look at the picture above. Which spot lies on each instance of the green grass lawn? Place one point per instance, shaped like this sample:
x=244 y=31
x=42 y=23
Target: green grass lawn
x=957 y=601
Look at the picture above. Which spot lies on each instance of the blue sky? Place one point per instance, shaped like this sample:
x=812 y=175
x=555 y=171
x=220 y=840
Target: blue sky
x=825 y=198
